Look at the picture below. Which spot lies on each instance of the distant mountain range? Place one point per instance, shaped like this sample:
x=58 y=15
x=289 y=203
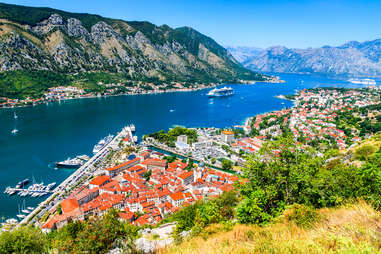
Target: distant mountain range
x=243 y=54
x=351 y=59
x=58 y=41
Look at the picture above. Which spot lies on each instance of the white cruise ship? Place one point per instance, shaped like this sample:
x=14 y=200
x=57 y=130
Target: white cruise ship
x=220 y=92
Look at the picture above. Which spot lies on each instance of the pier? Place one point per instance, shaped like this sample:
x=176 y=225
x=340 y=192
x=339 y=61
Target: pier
x=86 y=170
x=26 y=190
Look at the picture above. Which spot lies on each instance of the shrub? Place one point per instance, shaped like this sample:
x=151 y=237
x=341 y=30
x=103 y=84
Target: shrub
x=301 y=215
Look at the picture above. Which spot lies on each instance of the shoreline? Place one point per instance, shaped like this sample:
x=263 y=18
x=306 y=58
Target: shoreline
x=144 y=93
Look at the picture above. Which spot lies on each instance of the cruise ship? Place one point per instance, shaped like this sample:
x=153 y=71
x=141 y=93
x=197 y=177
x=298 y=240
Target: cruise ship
x=102 y=143
x=69 y=163
x=220 y=92
x=365 y=81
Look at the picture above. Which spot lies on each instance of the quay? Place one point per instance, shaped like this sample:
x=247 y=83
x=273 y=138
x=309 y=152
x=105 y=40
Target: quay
x=86 y=170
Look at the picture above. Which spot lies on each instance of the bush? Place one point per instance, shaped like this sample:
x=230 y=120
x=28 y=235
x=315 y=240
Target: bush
x=301 y=215
x=23 y=240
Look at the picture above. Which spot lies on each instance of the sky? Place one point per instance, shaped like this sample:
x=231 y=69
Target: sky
x=255 y=23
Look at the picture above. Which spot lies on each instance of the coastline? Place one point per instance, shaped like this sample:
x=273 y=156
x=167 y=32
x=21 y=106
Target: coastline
x=110 y=95
x=148 y=92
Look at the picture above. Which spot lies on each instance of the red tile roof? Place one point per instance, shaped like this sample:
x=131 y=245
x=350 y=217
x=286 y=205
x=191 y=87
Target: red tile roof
x=177 y=196
x=100 y=180
x=69 y=205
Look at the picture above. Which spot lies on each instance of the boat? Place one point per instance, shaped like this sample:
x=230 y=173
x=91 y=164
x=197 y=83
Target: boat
x=135 y=138
x=51 y=185
x=11 y=221
x=30 y=208
x=20 y=215
x=15 y=115
x=221 y=92
x=102 y=144
x=132 y=127
x=69 y=163
x=14 y=131
x=22 y=183
x=83 y=157
x=365 y=81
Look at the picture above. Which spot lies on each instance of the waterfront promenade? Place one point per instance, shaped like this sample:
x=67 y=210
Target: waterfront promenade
x=80 y=175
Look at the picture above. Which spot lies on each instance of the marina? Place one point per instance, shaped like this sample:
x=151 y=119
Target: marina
x=35 y=190
x=84 y=171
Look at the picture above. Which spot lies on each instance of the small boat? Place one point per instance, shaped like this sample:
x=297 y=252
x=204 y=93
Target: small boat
x=21 y=216
x=25 y=211
x=11 y=221
x=14 y=131
x=15 y=115
x=172 y=110
x=22 y=183
x=30 y=208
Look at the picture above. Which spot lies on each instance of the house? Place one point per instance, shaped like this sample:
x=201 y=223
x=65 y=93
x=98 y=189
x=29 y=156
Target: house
x=69 y=205
x=99 y=181
x=186 y=177
x=113 y=171
x=153 y=163
x=227 y=136
x=177 y=199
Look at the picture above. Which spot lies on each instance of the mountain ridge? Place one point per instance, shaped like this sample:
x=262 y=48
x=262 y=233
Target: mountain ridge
x=353 y=58
x=35 y=39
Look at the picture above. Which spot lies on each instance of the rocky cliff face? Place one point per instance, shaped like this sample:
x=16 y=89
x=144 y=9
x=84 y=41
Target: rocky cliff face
x=351 y=59
x=63 y=42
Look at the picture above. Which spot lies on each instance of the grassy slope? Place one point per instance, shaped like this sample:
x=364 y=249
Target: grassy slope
x=349 y=229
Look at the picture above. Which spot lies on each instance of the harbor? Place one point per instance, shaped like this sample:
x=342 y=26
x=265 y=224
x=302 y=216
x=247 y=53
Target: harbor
x=82 y=173
x=77 y=125
x=35 y=190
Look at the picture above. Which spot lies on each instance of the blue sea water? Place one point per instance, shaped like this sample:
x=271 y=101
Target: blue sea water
x=53 y=132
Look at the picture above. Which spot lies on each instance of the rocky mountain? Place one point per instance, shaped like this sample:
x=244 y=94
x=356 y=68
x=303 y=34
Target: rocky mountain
x=351 y=59
x=48 y=39
x=243 y=54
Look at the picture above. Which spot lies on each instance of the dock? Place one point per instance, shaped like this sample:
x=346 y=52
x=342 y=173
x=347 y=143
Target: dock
x=26 y=190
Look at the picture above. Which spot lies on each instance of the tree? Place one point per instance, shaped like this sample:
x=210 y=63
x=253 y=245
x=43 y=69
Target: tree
x=227 y=164
x=363 y=152
x=23 y=240
x=147 y=175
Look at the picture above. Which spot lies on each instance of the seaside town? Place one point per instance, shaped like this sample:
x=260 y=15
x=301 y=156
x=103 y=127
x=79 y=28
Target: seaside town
x=320 y=116
x=61 y=93
x=147 y=182
x=143 y=184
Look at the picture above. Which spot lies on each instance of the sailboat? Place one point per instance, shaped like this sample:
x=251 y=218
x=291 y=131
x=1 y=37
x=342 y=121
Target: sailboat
x=23 y=208
x=20 y=215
